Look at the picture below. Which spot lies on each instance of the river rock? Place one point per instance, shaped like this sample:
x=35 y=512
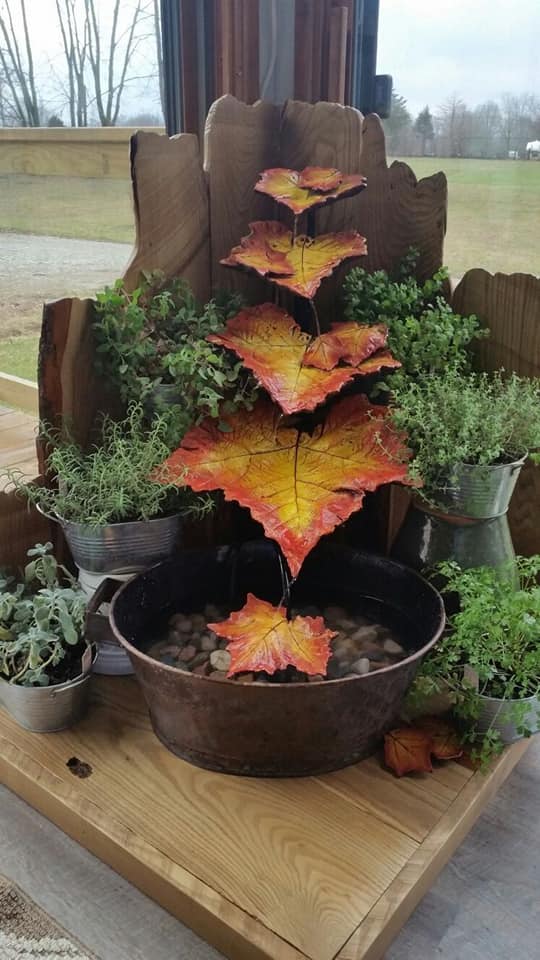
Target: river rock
x=391 y=646
x=245 y=678
x=220 y=660
x=218 y=675
x=181 y=623
x=315 y=677
x=361 y=666
x=365 y=635
x=198 y=621
x=209 y=642
x=187 y=653
x=201 y=670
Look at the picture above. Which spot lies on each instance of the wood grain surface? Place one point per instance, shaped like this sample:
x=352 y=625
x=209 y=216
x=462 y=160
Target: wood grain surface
x=509 y=304
x=240 y=142
x=171 y=210
x=260 y=868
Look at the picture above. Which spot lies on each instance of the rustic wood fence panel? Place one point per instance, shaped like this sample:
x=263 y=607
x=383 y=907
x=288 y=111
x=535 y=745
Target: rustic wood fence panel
x=510 y=306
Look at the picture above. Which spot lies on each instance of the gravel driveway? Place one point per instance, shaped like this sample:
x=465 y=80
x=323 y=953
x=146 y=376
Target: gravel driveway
x=34 y=269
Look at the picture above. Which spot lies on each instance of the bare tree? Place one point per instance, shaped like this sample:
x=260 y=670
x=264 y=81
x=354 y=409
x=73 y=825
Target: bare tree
x=74 y=32
x=17 y=65
x=159 y=53
x=111 y=57
x=518 y=114
x=453 y=124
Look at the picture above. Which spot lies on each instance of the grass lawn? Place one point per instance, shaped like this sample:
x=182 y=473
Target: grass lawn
x=493 y=220
x=94 y=209
x=18 y=356
x=493 y=213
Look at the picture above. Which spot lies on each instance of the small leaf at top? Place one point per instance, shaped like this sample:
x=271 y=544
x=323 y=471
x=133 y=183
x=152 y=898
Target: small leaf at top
x=299 y=266
x=274 y=347
x=294 y=189
x=408 y=750
x=300 y=486
x=445 y=740
x=261 y=638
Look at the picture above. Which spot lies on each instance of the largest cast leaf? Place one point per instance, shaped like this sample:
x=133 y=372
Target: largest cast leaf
x=272 y=345
x=299 y=486
x=298 y=265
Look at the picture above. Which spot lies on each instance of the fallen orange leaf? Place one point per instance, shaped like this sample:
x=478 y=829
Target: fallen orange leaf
x=345 y=341
x=299 y=486
x=408 y=750
x=261 y=638
x=445 y=740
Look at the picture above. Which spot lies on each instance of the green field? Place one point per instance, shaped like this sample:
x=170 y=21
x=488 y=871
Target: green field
x=493 y=213
x=493 y=220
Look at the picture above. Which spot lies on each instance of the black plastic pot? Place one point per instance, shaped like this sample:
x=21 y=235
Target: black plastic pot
x=275 y=729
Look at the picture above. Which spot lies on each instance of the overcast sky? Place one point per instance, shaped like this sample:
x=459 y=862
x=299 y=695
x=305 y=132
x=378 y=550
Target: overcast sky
x=477 y=49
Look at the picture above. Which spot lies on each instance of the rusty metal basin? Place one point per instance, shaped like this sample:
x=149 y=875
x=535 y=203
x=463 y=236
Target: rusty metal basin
x=275 y=729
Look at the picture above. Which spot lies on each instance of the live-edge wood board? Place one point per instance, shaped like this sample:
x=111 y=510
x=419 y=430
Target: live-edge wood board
x=320 y=868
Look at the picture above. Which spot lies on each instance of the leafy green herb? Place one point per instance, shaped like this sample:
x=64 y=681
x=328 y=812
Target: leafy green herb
x=41 y=621
x=424 y=333
x=111 y=482
x=152 y=344
x=496 y=634
x=475 y=418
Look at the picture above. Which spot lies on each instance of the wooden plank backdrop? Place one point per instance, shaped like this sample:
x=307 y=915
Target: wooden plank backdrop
x=510 y=306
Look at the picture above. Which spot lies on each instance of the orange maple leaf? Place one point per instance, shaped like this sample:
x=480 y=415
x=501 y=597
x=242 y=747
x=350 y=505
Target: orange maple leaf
x=298 y=265
x=299 y=486
x=445 y=740
x=272 y=345
x=408 y=750
x=345 y=341
x=311 y=187
x=261 y=638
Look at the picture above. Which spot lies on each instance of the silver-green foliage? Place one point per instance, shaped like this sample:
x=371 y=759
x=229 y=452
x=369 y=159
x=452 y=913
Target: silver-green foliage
x=41 y=618
x=496 y=634
x=475 y=418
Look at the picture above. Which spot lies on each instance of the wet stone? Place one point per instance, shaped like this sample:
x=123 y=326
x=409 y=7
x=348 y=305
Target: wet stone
x=361 y=666
x=209 y=642
x=218 y=675
x=220 y=660
x=187 y=653
x=392 y=647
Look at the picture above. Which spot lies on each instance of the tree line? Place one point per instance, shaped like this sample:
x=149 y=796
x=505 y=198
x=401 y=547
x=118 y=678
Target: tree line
x=97 y=62
x=496 y=129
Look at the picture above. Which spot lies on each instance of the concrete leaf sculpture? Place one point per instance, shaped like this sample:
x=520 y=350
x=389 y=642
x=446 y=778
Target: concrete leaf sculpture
x=272 y=345
x=408 y=750
x=346 y=341
x=301 y=190
x=262 y=638
x=297 y=263
x=299 y=485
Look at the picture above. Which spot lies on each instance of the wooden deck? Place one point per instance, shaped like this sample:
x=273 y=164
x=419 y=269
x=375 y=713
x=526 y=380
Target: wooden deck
x=322 y=868
x=18 y=442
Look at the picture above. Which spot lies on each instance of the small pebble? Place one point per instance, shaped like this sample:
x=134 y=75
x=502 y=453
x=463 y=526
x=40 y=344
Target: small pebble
x=218 y=675
x=376 y=655
x=199 y=658
x=333 y=669
x=209 y=642
x=379 y=665
x=345 y=623
x=187 y=653
x=222 y=645
x=392 y=647
x=245 y=678
x=361 y=666
x=168 y=660
x=220 y=660
x=365 y=635
x=196 y=636
x=315 y=677
x=173 y=649
x=198 y=622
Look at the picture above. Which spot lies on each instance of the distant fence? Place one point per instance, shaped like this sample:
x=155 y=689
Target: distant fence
x=67 y=151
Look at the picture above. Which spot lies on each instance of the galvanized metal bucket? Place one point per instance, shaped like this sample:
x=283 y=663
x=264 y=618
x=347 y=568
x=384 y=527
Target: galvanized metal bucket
x=47 y=709
x=500 y=715
x=122 y=547
x=478 y=492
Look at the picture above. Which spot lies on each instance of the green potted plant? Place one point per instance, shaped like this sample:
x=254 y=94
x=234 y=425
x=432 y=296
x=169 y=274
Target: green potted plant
x=151 y=345
x=115 y=518
x=488 y=662
x=424 y=333
x=470 y=434
x=45 y=660
x=269 y=620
